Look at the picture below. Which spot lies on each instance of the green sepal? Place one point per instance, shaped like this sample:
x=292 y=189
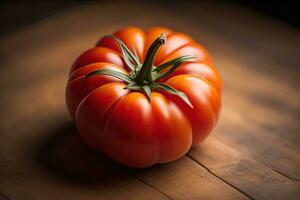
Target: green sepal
x=133 y=86
x=175 y=61
x=136 y=55
x=110 y=72
x=170 y=71
x=147 y=90
x=173 y=91
x=127 y=55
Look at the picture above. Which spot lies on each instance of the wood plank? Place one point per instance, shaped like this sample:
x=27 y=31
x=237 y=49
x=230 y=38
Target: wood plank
x=185 y=179
x=250 y=176
x=272 y=146
x=264 y=111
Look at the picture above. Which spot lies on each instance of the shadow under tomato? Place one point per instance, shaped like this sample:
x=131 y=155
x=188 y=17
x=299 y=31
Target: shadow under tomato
x=64 y=154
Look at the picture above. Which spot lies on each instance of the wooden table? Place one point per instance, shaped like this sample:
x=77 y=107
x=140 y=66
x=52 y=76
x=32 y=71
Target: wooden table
x=252 y=154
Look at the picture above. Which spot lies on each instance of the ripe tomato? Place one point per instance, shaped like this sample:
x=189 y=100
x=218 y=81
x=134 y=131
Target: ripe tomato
x=144 y=97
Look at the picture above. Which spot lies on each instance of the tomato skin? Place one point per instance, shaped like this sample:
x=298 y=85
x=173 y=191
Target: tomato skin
x=205 y=99
x=133 y=131
x=78 y=86
x=97 y=54
x=123 y=124
x=132 y=37
x=203 y=70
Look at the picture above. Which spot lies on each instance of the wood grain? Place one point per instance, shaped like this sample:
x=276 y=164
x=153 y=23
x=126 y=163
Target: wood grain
x=251 y=177
x=252 y=154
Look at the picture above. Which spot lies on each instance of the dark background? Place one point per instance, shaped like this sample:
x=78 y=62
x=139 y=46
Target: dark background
x=17 y=14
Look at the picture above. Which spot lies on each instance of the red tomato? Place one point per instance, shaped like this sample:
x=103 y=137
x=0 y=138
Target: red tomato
x=146 y=117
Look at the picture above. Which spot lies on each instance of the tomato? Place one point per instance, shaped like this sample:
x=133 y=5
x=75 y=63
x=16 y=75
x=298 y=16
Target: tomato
x=144 y=97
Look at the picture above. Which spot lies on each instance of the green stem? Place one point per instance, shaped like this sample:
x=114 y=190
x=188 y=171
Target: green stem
x=145 y=73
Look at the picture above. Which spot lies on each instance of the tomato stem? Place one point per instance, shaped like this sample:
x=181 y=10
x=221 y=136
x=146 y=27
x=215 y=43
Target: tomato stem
x=144 y=76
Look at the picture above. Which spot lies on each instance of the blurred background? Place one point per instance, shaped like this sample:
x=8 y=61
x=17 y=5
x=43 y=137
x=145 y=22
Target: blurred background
x=255 y=146
x=17 y=14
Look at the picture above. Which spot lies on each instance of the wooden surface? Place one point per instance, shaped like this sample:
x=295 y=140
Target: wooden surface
x=252 y=154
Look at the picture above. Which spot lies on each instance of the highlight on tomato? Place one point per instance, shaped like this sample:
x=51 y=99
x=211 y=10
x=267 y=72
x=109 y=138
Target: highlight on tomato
x=144 y=97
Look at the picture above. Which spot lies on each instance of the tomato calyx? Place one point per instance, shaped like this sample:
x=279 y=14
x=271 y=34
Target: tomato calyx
x=145 y=76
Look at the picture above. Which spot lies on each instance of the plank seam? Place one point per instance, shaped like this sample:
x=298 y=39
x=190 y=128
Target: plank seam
x=215 y=175
x=282 y=174
x=266 y=165
x=156 y=189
